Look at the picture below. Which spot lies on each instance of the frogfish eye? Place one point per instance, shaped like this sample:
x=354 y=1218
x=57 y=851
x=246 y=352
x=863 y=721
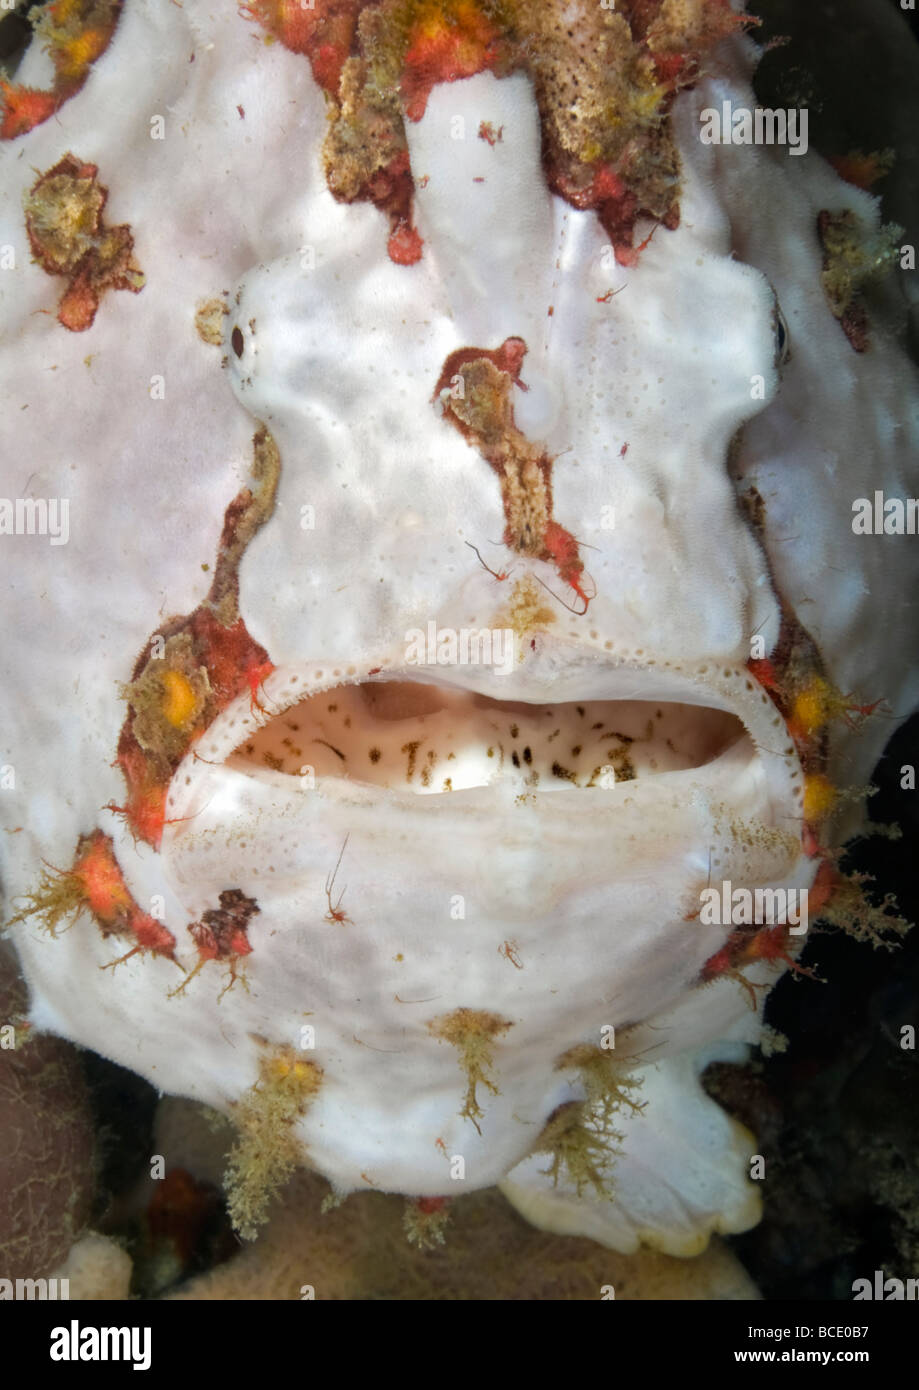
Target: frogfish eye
x=782 y=339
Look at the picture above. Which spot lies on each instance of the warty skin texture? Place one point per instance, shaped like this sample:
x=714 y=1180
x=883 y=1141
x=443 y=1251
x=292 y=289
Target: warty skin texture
x=591 y=889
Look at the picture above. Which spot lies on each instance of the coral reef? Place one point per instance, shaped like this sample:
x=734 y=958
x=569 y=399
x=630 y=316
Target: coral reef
x=47 y=1145
x=357 y=1250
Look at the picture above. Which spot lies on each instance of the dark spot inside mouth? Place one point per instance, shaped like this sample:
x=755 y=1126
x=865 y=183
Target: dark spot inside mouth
x=411 y=749
x=238 y=341
x=337 y=751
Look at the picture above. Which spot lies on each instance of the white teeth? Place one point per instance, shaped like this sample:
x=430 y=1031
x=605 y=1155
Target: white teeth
x=433 y=738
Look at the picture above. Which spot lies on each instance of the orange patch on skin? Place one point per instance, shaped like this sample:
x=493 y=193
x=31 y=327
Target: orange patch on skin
x=763 y=671
x=77 y=308
x=404 y=245
x=24 y=108
x=323 y=32
x=145 y=808
x=100 y=888
x=76 y=34
x=862 y=170
x=102 y=881
x=234 y=663
x=151 y=935
x=563 y=550
x=439 y=51
x=746 y=948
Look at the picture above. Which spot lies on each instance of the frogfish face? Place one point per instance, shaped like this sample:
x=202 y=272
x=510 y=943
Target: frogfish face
x=464 y=804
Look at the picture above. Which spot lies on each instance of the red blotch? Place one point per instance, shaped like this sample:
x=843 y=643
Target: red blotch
x=429 y=1205
x=861 y=170
x=445 y=53
x=78 y=305
x=323 y=32
x=825 y=885
x=562 y=549
x=240 y=945
x=717 y=964
x=762 y=670
x=404 y=245
x=150 y=934
x=25 y=108
x=102 y=881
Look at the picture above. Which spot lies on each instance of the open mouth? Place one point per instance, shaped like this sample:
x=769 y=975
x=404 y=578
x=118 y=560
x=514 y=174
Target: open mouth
x=639 y=763
x=432 y=738
x=425 y=787
x=408 y=732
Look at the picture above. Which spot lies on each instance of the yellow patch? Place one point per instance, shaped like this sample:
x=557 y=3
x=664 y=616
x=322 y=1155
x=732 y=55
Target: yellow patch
x=819 y=797
x=180 y=703
x=811 y=707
